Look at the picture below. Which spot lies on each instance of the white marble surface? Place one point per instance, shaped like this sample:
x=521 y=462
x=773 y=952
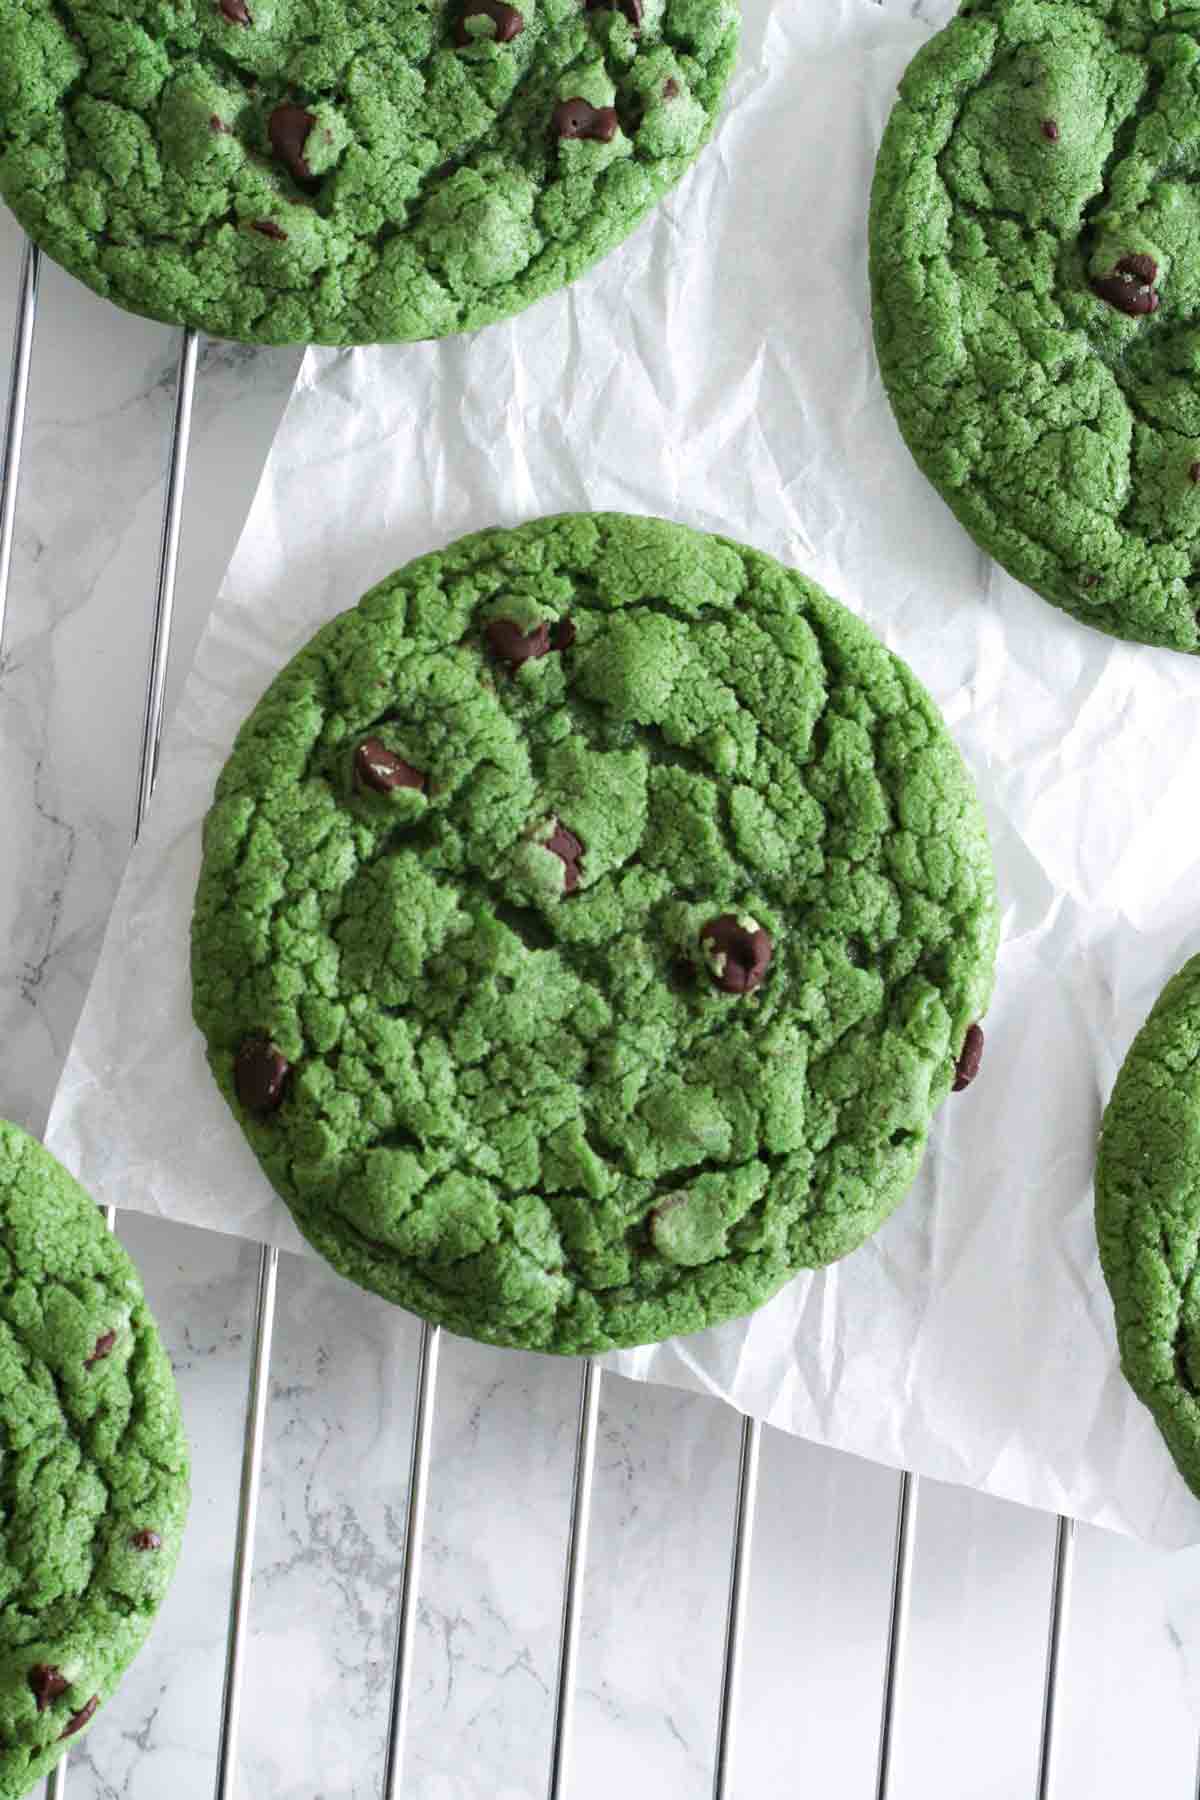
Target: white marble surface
x=331 y=1525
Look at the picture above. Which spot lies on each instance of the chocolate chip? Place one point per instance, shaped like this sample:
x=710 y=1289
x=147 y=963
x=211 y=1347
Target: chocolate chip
x=288 y=128
x=1130 y=287
x=235 y=11
x=78 y=1720
x=743 y=953
x=967 y=1066
x=104 y=1347
x=269 y=229
x=48 y=1684
x=146 y=1540
x=508 y=21
x=1050 y=130
x=580 y=119
x=260 y=1075
x=562 y=635
x=510 y=644
x=632 y=9
x=670 y=88
x=380 y=768
x=566 y=845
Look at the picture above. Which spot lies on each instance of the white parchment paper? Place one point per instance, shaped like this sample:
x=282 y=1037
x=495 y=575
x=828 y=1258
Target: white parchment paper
x=718 y=370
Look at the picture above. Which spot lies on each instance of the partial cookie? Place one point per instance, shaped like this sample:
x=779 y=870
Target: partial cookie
x=1036 y=287
x=1148 y=1215
x=590 y=924
x=93 y=1463
x=348 y=171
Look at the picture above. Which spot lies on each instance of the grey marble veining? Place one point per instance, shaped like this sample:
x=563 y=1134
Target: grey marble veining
x=331 y=1525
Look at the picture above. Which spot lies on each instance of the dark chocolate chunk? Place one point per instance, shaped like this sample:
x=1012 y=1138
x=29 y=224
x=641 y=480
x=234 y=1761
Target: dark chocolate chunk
x=1050 y=130
x=235 y=11
x=508 y=21
x=146 y=1540
x=562 y=635
x=1130 y=287
x=510 y=644
x=269 y=229
x=78 y=1720
x=967 y=1066
x=580 y=119
x=288 y=128
x=631 y=8
x=566 y=845
x=744 y=955
x=380 y=768
x=104 y=1347
x=260 y=1075
x=48 y=1684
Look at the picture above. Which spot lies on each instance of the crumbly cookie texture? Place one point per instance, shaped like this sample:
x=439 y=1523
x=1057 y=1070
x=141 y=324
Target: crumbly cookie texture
x=1035 y=271
x=93 y=1463
x=1148 y=1215
x=630 y=983
x=348 y=171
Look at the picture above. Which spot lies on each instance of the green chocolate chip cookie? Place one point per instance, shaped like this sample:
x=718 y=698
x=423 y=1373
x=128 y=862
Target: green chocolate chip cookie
x=348 y=171
x=590 y=924
x=1035 y=271
x=93 y=1463
x=1148 y=1215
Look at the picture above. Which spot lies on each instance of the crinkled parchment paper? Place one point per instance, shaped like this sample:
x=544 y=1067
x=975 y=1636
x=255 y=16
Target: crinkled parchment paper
x=718 y=370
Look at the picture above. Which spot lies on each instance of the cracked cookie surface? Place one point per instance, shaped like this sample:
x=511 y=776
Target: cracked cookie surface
x=1148 y=1215
x=1035 y=272
x=348 y=171
x=589 y=924
x=93 y=1463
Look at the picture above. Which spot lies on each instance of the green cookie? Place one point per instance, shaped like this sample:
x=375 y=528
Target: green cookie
x=1148 y=1215
x=589 y=925
x=93 y=1463
x=348 y=171
x=1035 y=271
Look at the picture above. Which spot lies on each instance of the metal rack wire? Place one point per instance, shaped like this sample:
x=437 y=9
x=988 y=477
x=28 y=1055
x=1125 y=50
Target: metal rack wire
x=742 y=1524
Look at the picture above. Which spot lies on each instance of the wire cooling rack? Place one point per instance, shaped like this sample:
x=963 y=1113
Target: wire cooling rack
x=742 y=1523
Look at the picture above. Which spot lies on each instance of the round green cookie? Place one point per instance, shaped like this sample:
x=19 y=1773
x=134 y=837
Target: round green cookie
x=1148 y=1215
x=93 y=1463
x=589 y=925
x=348 y=171
x=1035 y=271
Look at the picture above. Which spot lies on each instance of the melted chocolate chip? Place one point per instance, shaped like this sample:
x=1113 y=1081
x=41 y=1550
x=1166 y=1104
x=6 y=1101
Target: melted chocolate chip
x=562 y=635
x=967 y=1066
x=104 y=1347
x=269 y=229
x=744 y=955
x=580 y=119
x=1050 y=130
x=510 y=644
x=48 y=1684
x=146 y=1540
x=566 y=845
x=1130 y=287
x=288 y=128
x=377 y=767
x=508 y=21
x=235 y=11
x=78 y=1720
x=632 y=9
x=260 y=1075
